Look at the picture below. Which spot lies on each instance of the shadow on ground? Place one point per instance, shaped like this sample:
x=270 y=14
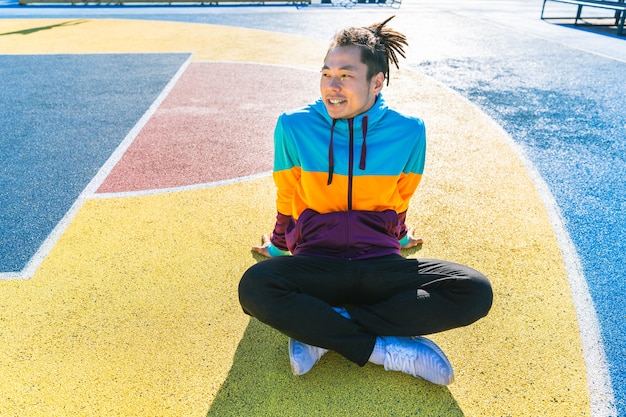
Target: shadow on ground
x=598 y=26
x=260 y=383
x=48 y=27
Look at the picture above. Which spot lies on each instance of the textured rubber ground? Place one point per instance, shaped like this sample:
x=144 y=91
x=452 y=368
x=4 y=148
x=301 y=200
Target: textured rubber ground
x=134 y=311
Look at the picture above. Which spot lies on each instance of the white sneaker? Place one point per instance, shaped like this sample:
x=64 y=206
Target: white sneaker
x=302 y=356
x=419 y=357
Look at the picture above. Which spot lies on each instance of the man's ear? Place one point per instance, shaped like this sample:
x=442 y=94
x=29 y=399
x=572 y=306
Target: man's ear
x=378 y=81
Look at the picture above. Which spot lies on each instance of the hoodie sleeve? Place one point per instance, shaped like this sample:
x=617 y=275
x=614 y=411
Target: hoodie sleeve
x=286 y=175
x=412 y=173
x=278 y=235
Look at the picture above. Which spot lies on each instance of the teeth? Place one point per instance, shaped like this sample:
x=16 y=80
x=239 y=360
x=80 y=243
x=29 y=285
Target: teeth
x=335 y=102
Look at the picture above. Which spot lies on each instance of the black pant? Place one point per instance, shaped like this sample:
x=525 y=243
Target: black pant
x=386 y=296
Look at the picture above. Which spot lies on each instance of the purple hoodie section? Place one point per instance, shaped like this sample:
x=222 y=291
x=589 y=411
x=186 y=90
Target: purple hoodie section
x=349 y=234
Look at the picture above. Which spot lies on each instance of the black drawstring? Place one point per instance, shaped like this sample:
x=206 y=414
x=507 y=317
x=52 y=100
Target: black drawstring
x=331 y=159
x=364 y=147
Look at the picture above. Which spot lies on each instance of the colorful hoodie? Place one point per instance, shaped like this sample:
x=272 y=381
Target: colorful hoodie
x=344 y=185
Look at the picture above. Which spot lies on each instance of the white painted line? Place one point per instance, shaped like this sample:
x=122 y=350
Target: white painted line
x=601 y=395
x=156 y=191
x=94 y=184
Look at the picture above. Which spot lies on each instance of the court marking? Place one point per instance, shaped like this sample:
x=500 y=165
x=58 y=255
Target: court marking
x=544 y=196
x=35 y=261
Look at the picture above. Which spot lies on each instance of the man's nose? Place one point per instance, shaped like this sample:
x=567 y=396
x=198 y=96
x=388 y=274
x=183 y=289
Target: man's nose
x=334 y=83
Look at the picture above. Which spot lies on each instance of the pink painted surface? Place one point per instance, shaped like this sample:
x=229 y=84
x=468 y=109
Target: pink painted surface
x=217 y=123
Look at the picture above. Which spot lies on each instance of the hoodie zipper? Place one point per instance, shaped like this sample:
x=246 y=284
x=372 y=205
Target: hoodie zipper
x=350 y=177
x=350 y=162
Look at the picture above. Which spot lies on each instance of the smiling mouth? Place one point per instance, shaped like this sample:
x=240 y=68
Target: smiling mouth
x=336 y=102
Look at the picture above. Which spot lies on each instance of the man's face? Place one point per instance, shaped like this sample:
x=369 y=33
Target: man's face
x=344 y=86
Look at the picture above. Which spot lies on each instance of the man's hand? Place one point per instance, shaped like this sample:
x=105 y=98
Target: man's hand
x=413 y=241
x=263 y=249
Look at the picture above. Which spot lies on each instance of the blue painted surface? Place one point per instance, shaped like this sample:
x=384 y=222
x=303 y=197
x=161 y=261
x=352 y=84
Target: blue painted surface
x=566 y=109
x=62 y=117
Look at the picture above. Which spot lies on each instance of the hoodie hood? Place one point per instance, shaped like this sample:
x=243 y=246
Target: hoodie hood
x=374 y=114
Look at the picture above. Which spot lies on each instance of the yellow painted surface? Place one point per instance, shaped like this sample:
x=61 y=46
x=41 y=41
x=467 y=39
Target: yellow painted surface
x=478 y=206
x=207 y=42
x=135 y=313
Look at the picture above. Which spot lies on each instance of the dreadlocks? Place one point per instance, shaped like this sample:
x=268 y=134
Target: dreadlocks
x=378 y=45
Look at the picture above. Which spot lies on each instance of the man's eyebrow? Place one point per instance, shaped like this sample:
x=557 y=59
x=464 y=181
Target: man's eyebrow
x=344 y=68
